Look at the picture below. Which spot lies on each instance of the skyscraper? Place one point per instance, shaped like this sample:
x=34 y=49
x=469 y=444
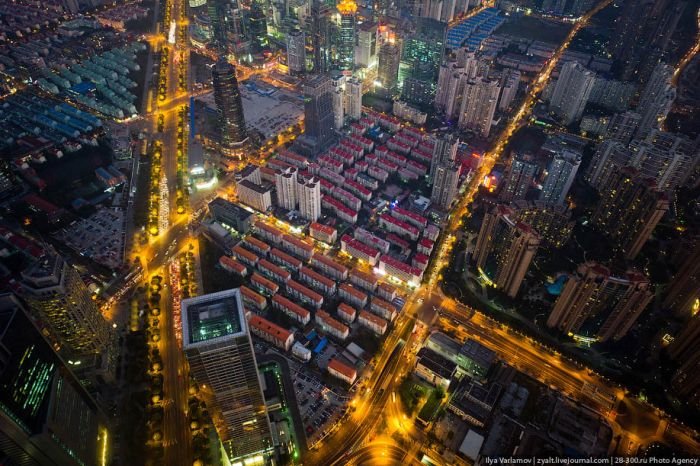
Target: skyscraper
x=685 y=349
x=420 y=61
x=609 y=158
x=683 y=293
x=218 y=13
x=318 y=112
x=445 y=184
x=47 y=417
x=346 y=39
x=367 y=47
x=571 y=92
x=296 y=51
x=309 y=196
x=505 y=248
x=218 y=347
x=61 y=305
x=629 y=209
x=388 y=71
x=286 y=185
x=353 y=93
x=444 y=152
x=320 y=36
x=656 y=99
x=597 y=304
x=666 y=158
x=520 y=178
x=479 y=105
x=230 y=107
x=560 y=177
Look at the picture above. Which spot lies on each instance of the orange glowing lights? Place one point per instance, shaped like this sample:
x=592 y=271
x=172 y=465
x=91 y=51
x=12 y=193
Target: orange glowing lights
x=347 y=7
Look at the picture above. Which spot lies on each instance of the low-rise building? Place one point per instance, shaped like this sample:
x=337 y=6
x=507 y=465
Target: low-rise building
x=297 y=247
x=331 y=326
x=231 y=214
x=252 y=301
x=400 y=227
x=273 y=271
x=268 y=233
x=366 y=281
x=301 y=351
x=434 y=369
x=263 y=284
x=270 y=332
x=359 y=250
x=372 y=322
x=245 y=256
x=346 y=313
x=261 y=248
x=401 y=270
x=330 y=267
x=304 y=295
x=371 y=240
x=285 y=260
x=383 y=309
x=324 y=233
x=342 y=371
x=386 y=292
x=317 y=281
x=232 y=265
x=291 y=309
x=352 y=295
x=407 y=216
x=475 y=359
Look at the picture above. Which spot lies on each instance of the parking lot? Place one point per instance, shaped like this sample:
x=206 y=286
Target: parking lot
x=319 y=406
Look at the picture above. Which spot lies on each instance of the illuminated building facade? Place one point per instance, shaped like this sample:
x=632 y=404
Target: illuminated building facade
x=62 y=306
x=296 y=51
x=683 y=293
x=596 y=304
x=629 y=210
x=445 y=185
x=420 y=62
x=228 y=101
x=479 y=102
x=388 y=67
x=218 y=347
x=571 y=92
x=47 y=417
x=346 y=39
x=505 y=248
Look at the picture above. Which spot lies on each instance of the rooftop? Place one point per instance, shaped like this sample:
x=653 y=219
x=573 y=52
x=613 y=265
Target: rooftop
x=212 y=316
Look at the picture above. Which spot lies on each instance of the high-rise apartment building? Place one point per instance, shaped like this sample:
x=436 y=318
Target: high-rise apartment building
x=286 y=185
x=47 y=417
x=623 y=126
x=218 y=347
x=520 y=178
x=445 y=184
x=444 y=152
x=571 y=92
x=609 y=158
x=667 y=158
x=228 y=101
x=346 y=37
x=629 y=209
x=452 y=78
x=551 y=221
x=510 y=82
x=505 y=248
x=62 y=307
x=338 y=80
x=388 y=68
x=683 y=293
x=309 y=197
x=656 y=99
x=296 y=51
x=353 y=98
x=597 y=304
x=479 y=105
x=685 y=349
x=612 y=94
x=560 y=176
